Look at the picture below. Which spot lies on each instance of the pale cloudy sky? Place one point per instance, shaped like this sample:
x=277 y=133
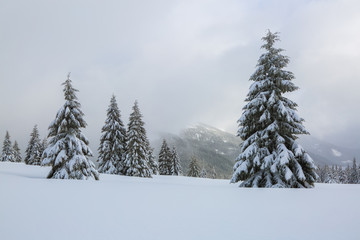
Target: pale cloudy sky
x=184 y=61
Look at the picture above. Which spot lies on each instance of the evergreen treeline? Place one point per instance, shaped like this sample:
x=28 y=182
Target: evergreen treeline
x=122 y=151
x=338 y=174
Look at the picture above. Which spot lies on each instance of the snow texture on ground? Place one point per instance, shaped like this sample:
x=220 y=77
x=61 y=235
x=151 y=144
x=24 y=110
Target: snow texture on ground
x=167 y=207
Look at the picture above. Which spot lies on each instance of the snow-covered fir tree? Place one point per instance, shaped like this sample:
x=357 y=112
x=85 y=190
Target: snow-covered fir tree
x=176 y=169
x=17 y=153
x=44 y=145
x=203 y=173
x=342 y=175
x=136 y=162
x=7 y=150
x=34 y=149
x=354 y=175
x=335 y=173
x=165 y=159
x=194 y=168
x=347 y=173
x=329 y=176
x=112 y=141
x=269 y=125
x=321 y=174
x=68 y=149
x=213 y=173
x=153 y=165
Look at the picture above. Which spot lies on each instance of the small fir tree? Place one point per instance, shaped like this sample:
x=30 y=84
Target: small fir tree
x=354 y=175
x=16 y=151
x=347 y=173
x=112 y=142
x=335 y=173
x=319 y=172
x=153 y=165
x=342 y=175
x=203 y=173
x=7 y=150
x=194 y=168
x=136 y=163
x=176 y=169
x=44 y=145
x=269 y=125
x=68 y=149
x=35 y=149
x=329 y=177
x=213 y=173
x=165 y=159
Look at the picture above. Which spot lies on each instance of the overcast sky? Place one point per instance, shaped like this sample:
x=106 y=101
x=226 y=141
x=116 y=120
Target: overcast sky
x=184 y=61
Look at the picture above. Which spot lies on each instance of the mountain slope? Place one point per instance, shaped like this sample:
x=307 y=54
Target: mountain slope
x=213 y=147
x=218 y=149
x=326 y=153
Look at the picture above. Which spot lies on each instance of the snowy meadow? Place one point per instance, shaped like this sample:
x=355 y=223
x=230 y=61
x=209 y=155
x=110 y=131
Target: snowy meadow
x=169 y=207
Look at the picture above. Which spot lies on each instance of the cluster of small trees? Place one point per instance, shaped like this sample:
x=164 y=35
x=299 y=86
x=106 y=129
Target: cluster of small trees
x=196 y=171
x=169 y=162
x=33 y=151
x=10 y=153
x=121 y=151
x=125 y=152
x=338 y=174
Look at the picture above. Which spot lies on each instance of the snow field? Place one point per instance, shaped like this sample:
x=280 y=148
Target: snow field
x=169 y=207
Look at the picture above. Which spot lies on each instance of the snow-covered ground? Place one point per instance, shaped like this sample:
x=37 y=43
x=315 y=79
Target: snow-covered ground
x=165 y=207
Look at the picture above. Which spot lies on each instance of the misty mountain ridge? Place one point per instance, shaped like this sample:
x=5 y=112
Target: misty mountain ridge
x=219 y=149
x=325 y=153
x=211 y=146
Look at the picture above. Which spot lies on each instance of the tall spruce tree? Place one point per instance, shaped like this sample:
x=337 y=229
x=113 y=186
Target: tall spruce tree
x=7 y=150
x=270 y=155
x=68 y=149
x=112 y=141
x=136 y=162
x=16 y=151
x=176 y=169
x=34 y=149
x=165 y=159
x=194 y=168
